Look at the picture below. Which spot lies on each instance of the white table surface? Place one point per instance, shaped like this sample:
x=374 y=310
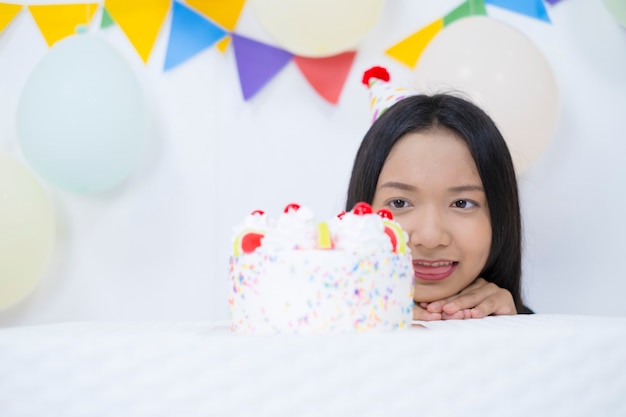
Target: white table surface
x=536 y=365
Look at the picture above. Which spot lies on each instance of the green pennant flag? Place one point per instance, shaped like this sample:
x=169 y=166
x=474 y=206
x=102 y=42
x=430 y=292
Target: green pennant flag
x=469 y=8
x=107 y=20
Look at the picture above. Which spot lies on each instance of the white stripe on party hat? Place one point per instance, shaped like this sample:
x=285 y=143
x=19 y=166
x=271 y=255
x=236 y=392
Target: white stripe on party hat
x=382 y=94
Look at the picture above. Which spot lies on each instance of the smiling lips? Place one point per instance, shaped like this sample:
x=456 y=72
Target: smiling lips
x=433 y=270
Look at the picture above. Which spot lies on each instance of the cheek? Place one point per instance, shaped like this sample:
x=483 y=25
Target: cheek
x=475 y=238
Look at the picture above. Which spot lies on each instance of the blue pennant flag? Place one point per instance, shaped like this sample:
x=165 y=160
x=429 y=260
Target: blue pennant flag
x=190 y=33
x=532 y=8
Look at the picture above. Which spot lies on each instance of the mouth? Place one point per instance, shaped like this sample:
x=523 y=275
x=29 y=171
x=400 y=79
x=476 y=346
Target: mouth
x=433 y=270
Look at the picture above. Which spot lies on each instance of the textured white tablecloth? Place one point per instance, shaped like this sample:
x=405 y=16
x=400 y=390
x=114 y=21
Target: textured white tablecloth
x=537 y=365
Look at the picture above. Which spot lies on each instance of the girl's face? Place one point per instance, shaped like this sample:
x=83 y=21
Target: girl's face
x=431 y=185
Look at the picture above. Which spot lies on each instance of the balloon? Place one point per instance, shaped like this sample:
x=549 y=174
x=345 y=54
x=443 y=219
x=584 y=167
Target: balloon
x=317 y=28
x=500 y=70
x=617 y=9
x=26 y=231
x=82 y=118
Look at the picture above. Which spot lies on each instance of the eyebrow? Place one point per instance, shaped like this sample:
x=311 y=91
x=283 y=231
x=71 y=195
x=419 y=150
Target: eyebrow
x=398 y=186
x=469 y=187
x=407 y=187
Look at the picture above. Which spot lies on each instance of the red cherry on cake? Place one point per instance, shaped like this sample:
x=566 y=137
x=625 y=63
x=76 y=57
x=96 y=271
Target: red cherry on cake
x=362 y=209
x=385 y=214
x=259 y=212
x=291 y=207
x=340 y=215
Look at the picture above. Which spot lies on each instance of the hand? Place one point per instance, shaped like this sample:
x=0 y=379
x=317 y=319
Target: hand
x=479 y=299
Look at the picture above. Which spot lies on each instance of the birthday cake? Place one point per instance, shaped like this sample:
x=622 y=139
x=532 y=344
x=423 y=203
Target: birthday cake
x=291 y=274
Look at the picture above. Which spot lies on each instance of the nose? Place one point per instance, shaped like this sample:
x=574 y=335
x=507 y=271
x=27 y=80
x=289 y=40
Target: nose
x=428 y=228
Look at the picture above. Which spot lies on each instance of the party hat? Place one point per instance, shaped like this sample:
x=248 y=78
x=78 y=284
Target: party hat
x=382 y=94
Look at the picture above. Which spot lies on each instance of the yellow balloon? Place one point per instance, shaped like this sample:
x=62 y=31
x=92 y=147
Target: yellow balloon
x=317 y=28
x=503 y=72
x=26 y=232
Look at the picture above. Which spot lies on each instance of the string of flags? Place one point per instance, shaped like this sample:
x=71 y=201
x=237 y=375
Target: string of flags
x=197 y=25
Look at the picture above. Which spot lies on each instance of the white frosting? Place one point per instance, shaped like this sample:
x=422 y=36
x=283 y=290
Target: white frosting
x=295 y=229
x=360 y=233
x=256 y=221
x=320 y=291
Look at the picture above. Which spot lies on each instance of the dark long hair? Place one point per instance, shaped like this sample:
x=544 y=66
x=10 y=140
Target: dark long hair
x=493 y=161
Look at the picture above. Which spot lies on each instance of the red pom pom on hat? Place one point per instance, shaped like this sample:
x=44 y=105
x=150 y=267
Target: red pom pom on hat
x=375 y=72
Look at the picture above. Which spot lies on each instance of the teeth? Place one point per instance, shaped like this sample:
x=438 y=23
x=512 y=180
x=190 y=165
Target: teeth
x=434 y=264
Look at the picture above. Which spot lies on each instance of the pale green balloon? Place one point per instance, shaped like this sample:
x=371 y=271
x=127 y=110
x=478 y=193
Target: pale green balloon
x=26 y=231
x=618 y=10
x=82 y=117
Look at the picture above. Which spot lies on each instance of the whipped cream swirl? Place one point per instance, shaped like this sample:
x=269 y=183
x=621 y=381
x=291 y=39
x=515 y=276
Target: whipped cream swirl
x=294 y=229
x=360 y=233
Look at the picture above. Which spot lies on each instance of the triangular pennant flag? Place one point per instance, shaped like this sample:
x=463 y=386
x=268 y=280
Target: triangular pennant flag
x=140 y=20
x=7 y=13
x=190 y=33
x=257 y=63
x=58 y=21
x=531 y=8
x=107 y=20
x=223 y=12
x=469 y=8
x=327 y=75
x=409 y=50
x=223 y=44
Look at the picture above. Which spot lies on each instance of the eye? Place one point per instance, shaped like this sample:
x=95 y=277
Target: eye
x=398 y=203
x=464 y=204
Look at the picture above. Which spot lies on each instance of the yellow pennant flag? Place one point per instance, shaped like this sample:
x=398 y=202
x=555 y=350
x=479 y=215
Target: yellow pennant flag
x=409 y=50
x=223 y=44
x=59 y=21
x=141 y=21
x=7 y=13
x=223 y=12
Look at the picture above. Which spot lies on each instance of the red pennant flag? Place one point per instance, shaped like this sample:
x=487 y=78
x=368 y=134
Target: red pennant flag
x=327 y=75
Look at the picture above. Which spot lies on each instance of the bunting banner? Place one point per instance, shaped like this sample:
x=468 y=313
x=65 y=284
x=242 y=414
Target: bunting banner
x=7 y=13
x=197 y=25
x=327 y=75
x=190 y=34
x=58 y=21
x=140 y=20
x=257 y=63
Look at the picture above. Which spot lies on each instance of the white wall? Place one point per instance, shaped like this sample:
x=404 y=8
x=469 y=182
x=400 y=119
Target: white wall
x=157 y=248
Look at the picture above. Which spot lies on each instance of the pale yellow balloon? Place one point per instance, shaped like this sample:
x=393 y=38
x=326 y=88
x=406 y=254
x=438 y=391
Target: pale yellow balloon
x=26 y=232
x=317 y=28
x=503 y=72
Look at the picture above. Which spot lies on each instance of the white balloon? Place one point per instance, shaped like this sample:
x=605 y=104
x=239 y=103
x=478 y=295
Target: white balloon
x=503 y=72
x=317 y=28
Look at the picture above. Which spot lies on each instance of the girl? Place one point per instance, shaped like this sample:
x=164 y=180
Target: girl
x=442 y=167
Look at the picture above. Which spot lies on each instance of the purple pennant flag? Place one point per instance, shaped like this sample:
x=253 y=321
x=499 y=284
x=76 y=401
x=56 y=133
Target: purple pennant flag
x=531 y=8
x=257 y=63
x=190 y=33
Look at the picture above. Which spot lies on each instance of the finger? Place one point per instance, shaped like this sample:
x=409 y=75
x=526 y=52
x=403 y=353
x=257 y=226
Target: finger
x=474 y=297
x=422 y=314
x=500 y=304
x=459 y=315
x=452 y=307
